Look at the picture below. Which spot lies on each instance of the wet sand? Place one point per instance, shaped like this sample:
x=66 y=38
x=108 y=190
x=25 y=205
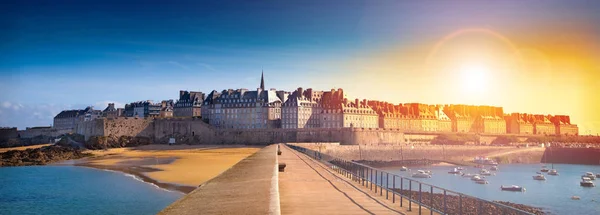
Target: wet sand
x=179 y=167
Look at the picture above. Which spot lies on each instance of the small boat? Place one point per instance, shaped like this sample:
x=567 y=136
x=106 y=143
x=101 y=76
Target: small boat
x=485 y=172
x=460 y=168
x=466 y=175
x=482 y=181
x=553 y=172
x=475 y=177
x=575 y=198
x=421 y=174
x=479 y=166
x=586 y=182
x=598 y=175
x=454 y=171
x=494 y=168
x=544 y=169
x=403 y=168
x=539 y=177
x=513 y=188
x=590 y=175
x=428 y=172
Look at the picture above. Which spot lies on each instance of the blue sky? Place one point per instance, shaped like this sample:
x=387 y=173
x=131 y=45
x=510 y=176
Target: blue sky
x=69 y=54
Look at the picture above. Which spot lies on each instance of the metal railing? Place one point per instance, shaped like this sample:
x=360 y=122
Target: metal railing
x=408 y=192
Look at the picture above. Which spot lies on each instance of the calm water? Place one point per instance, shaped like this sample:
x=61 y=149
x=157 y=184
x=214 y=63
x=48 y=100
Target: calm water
x=77 y=190
x=554 y=194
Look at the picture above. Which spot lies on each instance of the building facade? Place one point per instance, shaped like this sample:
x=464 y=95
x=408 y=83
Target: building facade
x=189 y=104
x=244 y=109
x=302 y=109
x=143 y=109
x=338 y=112
x=67 y=119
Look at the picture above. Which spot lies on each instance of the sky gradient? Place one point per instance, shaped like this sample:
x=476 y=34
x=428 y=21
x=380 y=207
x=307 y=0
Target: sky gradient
x=527 y=56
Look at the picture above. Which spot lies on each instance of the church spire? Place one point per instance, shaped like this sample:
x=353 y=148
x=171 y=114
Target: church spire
x=262 y=80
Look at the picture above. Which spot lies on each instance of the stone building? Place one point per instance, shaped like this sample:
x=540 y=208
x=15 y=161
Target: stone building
x=166 y=109
x=490 y=120
x=543 y=125
x=563 y=125
x=520 y=123
x=143 y=109
x=302 y=109
x=67 y=119
x=111 y=112
x=462 y=120
x=444 y=122
x=244 y=109
x=189 y=104
x=338 y=112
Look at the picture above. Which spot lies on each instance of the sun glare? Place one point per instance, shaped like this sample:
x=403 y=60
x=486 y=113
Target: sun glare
x=474 y=78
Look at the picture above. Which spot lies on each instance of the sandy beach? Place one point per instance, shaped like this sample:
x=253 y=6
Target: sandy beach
x=177 y=167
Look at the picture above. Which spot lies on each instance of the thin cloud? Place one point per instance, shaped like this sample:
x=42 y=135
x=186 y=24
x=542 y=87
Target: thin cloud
x=207 y=66
x=175 y=63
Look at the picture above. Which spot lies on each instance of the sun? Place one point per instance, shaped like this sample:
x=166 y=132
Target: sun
x=474 y=78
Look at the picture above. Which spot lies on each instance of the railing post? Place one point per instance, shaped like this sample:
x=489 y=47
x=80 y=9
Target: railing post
x=381 y=184
x=401 y=190
x=375 y=181
x=393 y=189
x=431 y=200
x=445 y=203
x=459 y=203
x=410 y=193
x=420 y=203
x=371 y=181
x=387 y=182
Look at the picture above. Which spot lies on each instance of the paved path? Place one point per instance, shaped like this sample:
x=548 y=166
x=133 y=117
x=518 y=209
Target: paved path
x=246 y=188
x=310 y=187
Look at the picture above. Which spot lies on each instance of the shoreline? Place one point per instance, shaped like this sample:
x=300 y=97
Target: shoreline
x=181 y=168
x=138 y=171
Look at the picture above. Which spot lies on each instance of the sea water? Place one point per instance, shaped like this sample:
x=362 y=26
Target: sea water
x=553 y=195
x=78 y=190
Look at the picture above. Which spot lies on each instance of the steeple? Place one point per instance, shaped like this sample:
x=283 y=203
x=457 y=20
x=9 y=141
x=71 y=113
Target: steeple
x=262 y=80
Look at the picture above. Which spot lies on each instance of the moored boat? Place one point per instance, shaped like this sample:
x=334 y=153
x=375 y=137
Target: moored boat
x=539 y=177
x=403 y=168
x=590 y=175
x=514 y=188
x=482 y=181
x=421 y=174
x=586 y=182
x=460 y=168
x=475 y=177
x=553 y=172
x=485 y=172
x=494 y=168
x=454 y=171
x=466 y=175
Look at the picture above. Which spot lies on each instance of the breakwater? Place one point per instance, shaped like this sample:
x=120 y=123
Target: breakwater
x=399 y=152
x=589 y=156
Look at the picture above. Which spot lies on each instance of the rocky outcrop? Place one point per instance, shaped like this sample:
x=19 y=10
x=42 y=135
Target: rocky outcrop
x=40 y=156
x=103 y=142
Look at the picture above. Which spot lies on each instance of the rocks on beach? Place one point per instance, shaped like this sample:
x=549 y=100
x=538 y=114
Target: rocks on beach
x=40 y=156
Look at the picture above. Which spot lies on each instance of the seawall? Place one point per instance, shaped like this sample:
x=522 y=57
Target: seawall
x=590 y=156
x=385 y=152
x=195 y=131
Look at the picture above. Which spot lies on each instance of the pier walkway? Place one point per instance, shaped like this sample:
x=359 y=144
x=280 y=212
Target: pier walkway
x=310 y=187
x=249 y=187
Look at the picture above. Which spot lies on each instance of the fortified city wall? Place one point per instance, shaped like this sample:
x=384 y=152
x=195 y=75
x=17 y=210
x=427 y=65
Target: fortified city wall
x=386 y=152
x=195 y=131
